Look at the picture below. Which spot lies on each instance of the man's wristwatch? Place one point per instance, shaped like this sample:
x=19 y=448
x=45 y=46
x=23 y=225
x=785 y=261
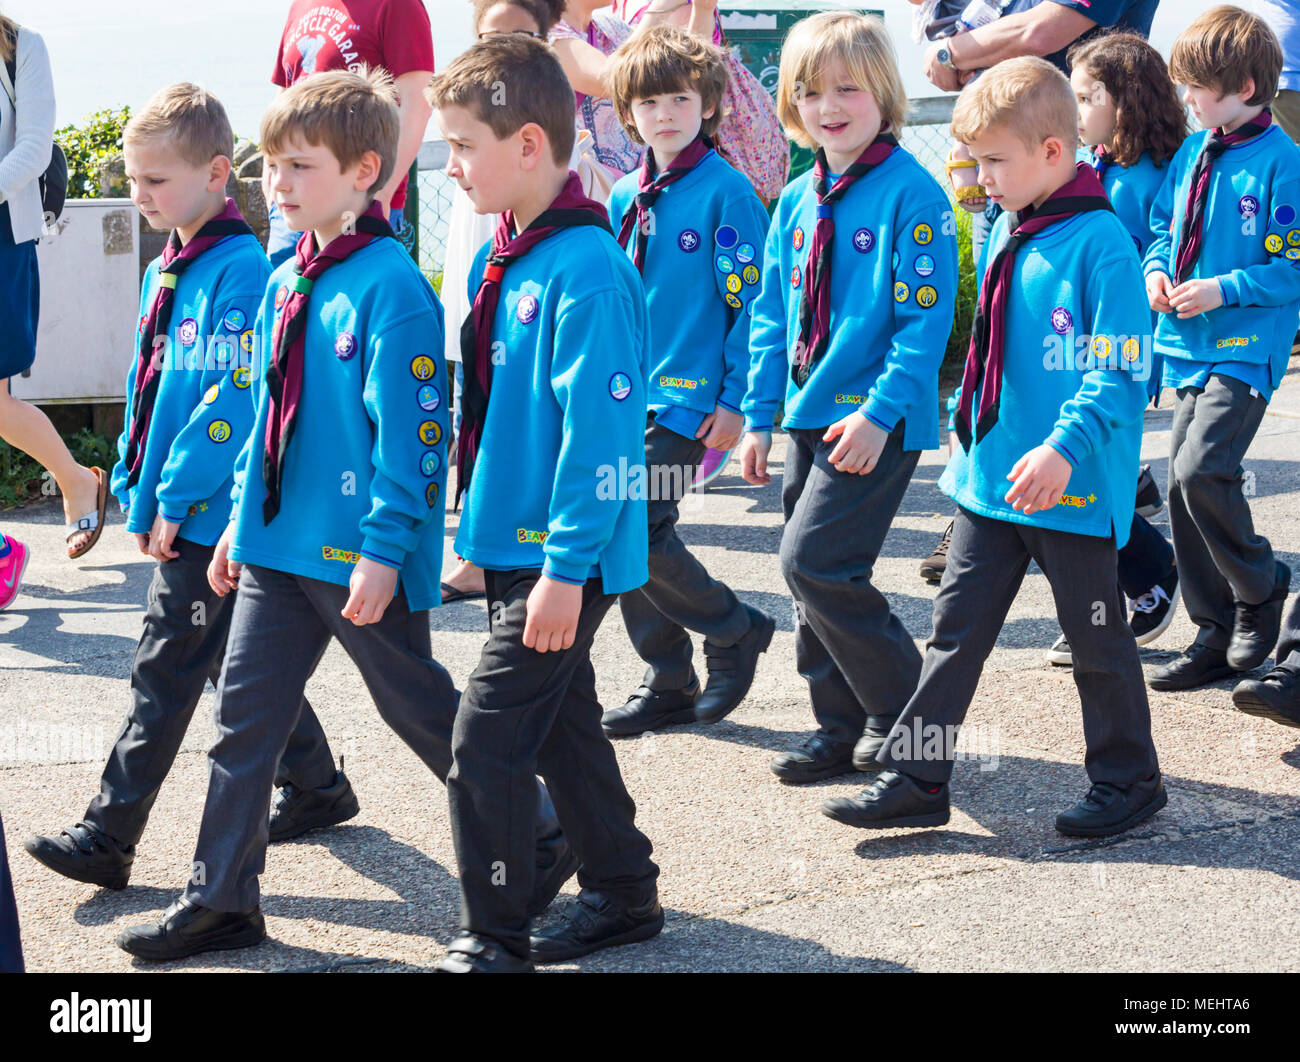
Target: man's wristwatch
x=945 y=58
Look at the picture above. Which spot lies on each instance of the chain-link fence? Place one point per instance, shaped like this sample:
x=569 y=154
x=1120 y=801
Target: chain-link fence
x=925 y=136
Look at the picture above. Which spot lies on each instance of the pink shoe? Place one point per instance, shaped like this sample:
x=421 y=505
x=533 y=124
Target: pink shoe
x=711 y=466
x=12 y=565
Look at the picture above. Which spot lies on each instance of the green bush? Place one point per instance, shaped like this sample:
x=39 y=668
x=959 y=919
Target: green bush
x=88 y=146
x=22 y=480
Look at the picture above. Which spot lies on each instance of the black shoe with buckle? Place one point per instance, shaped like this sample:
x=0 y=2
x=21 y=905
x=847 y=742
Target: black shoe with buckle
x=1256 y=627
x=820 y=756
x=732 y=667
x=933 y=567
x=1276 y=696
x=294 y=811
x=893 y=800
x=470 y=953
x=1198 y=665
x=1108 y=809
x=649 y=709
x=188 y=929
x=594 y=922
x=1154 y=610
x=83 y=853
x=873 y=738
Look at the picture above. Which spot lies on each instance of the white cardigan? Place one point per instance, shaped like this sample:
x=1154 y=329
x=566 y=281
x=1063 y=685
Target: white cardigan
x=26 y=139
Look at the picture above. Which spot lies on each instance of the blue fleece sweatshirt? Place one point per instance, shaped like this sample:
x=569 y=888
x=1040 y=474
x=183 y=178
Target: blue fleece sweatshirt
x=203 y=409
x=1251 y=245
x=1075 y=358
x=703 y=264
x=559 y=483
x=366 y=471
x=893 y=284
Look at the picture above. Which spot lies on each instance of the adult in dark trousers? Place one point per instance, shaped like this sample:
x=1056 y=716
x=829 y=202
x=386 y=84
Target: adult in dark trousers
x=11 y=948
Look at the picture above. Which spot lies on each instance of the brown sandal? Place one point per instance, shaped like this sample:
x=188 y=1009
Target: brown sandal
x=92 y=522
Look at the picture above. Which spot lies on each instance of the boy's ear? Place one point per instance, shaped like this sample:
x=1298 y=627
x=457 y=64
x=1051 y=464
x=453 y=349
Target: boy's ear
x=218 y=173
x=368 y=171
x=706 y=115
x=1247 y=89
x=533 y=146
x=1054 y=149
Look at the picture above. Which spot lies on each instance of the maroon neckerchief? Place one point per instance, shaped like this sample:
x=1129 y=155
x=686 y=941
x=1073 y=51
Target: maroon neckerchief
x=570 y=209
x=284 y=372
x=1198 y=190
x=652 y=182
x=815 y=306
x=984 y=359
x=153 y=333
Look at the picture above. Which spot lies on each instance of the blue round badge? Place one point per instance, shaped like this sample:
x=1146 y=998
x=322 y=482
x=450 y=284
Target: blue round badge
x=430 y=463
x=1284 y=214
x=188 y=331
x=619 y=386
x=428 y=398
x=924 y=265
x=235 y=320
x=745 y=253
x=1248 y=206
x=726 y=237
x=526 y=309
x=1062 y=322
x=864 y=240
x=724 y=264
x=345 y=346
x=688 y=240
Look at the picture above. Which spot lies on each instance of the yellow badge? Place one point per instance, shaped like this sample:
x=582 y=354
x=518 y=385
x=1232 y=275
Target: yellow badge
x=750 y=274
x=219 y=431
x=431 y=494
x=734 y=301
x=430 y=433
x=1293 y=237
x=733 y=282
x=923 y=234
x=926 y=297
x=211 y=395
x=422 y=368
x=1101 y=347
x=246 y=341
x=242 y=378
x=1293 y=253
x=1131 y=349
x=1273 y=243
x=901 y=292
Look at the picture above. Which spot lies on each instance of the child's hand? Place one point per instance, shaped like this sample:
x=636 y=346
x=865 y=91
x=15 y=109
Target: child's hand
x=142 y=541
x=1194 y=297
x=161 y=538
x=753 y=457
x=1040 y=478
x=860 y=444
x=371 y=590
x=721 y=429
x=553 y=608
x=1158 y=289
x=223 y=573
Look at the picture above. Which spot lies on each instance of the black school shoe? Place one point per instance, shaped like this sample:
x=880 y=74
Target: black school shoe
x=933 y=567
x=873 y=738
x=188 y=929
x=594 y=922
x=649 y=709
x=1276 y=696
x=1148 y=502
x=1108 y=809
x=820 y=756
x=892 y=800
x=1198 y=665
x=1154 y=610
x=1255 y=628
x=294 y=811
x=470 y=953
x=732 y=667
x=83 y=853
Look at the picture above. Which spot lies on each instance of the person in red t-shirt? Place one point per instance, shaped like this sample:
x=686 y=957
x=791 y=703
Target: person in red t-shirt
x=342 y=35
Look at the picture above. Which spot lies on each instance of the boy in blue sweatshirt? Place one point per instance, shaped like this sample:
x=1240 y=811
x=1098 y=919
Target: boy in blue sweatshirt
x=338 y=494
x=859 y=280
x=1051 y=403
x=189 y=408
x=694 y=228
x=1224 y=274
x=556 y=351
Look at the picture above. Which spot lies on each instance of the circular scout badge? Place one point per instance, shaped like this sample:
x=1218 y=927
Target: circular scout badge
x=926 y=296
x=923 y=234
x=1293 y=238
x=430 y=463
x=734 y=301
x=219 y=431
x=1284 y=214
x=794 y=277
x=689 y=240
x=924 y=265
x=1062 y=322
x=431 y=494
x=246 y=341
x=750 y=274
x=422 y=368
x=211 y=395
x=428 y=398
x=188 y=331
x=726 y=237
x=1293 y=253
x=1273 y=243
x=901 y=291
x=733 y=283
x=526 y=309
x=797 y=239
x=1101 y=347
x=619 y=386
x=280 y=297
x=430 y=433
x=724 y=264
x=1130 y=350
x=235 y=320
x=745 y=253
x=345 y=346
x=864 y=240
x=1248 y=206
x=242 y=378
